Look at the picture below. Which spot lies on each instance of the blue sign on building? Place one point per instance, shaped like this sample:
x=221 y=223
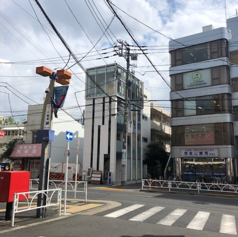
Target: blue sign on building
x=69 y=136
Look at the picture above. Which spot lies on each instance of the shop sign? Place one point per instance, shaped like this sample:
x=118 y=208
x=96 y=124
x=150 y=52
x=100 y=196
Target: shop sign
x=199 y=152
x=197 y=138
x=197 y=79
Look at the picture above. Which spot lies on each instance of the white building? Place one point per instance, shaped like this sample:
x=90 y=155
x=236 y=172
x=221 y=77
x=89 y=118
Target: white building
x=204 y=82
x=57 y=148
x=104 y=124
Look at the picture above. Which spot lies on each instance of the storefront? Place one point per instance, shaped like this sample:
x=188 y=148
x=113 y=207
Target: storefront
x=204 y=169
x=203 y=165
x=27 y=157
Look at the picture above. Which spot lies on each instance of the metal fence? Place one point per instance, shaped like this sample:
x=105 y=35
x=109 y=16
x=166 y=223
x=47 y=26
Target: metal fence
x=74 y=186
x=29 y=203
x=153 y=184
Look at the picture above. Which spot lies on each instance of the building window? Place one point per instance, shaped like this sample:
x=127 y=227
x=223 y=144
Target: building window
x=200 y=52
x=144 y=117
x=203 y=134
x=235 y=84
x=34 y=137
x=144 y=139
x=203 y=105
x=234 y=57
x=235 y=112
x=195 y=53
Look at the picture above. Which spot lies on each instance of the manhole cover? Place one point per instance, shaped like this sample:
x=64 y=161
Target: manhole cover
x=202 y=203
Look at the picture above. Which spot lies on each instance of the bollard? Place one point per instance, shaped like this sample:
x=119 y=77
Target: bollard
x=198 y=187
x=150 y=184
x=155 y=182
x=169 y=185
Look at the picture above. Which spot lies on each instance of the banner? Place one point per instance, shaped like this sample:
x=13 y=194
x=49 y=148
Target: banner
x=57 y=102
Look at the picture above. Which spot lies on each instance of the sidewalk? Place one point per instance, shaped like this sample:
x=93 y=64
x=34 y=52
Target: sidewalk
x=29 y=217
x=132 y=186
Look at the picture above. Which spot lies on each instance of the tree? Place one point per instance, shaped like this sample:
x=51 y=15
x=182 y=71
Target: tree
x=156 y=159
x=7 y=151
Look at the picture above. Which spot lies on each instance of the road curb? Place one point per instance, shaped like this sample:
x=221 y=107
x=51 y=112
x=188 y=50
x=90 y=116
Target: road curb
x=191 y=193
x=106 y=205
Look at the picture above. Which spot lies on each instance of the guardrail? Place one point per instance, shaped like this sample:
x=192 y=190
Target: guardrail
x=75 y=186
x=184 y=185
x=31 y=196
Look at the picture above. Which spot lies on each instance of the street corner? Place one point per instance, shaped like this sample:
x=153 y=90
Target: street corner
x=72 y=208
x=93 y=207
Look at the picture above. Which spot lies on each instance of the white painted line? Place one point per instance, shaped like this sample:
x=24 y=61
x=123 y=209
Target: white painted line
x=228 y=225
x=145 y=215
x=172 y=217
x=199 y=221
x=123 y=211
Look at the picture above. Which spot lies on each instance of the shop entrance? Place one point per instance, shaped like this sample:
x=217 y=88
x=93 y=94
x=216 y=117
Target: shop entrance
x=204 y=169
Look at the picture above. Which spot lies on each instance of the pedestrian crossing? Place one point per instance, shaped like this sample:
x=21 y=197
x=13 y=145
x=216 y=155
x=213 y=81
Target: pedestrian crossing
x=197 y=219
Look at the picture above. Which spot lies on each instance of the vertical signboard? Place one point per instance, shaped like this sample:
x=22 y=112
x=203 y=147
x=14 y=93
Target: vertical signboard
x=47 y=117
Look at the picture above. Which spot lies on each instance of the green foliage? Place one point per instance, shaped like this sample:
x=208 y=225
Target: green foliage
x=155 y=155
x=9 y=147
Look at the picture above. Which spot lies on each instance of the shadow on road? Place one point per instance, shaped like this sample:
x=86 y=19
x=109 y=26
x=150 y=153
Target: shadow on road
x=200 y=199
x=154 y=236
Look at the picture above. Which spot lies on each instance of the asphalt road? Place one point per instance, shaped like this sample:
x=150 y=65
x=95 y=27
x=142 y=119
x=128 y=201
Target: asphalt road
x=142 y=214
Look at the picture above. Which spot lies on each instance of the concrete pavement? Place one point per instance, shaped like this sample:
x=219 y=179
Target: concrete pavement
x=25 y=219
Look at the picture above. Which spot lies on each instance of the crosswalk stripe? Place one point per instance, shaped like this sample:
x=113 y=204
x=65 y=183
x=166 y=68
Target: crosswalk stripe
x=172 y=217
x=123 y=211
x=145 y=215
x=199 y=221
x=228 y=225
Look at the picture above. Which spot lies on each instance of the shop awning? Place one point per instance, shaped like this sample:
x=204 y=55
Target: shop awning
x=26 y=150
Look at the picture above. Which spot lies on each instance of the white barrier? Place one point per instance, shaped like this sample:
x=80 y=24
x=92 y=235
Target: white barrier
x=74 y=185
x=198 y=186
x=31 y=196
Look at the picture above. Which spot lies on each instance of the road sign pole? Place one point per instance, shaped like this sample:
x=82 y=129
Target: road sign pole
x=66 y=178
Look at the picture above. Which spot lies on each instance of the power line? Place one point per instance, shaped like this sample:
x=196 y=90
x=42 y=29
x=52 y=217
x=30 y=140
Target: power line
x=109 y=3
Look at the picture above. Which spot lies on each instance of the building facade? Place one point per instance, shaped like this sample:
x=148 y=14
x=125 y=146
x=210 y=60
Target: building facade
x=27 y=156
x=10 y=132
x=160 y=126
x=105 y=126
x=203 y=96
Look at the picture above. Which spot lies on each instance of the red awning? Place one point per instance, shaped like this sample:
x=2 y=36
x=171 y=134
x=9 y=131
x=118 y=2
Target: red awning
x=26 y=150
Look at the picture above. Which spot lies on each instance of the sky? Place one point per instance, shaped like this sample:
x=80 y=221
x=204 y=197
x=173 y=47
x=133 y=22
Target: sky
x=91 y=31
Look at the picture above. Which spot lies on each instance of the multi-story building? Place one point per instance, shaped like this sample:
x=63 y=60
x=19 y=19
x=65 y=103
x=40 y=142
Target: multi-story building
x=104 y=124
x=204 y=79
x=160 y=126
